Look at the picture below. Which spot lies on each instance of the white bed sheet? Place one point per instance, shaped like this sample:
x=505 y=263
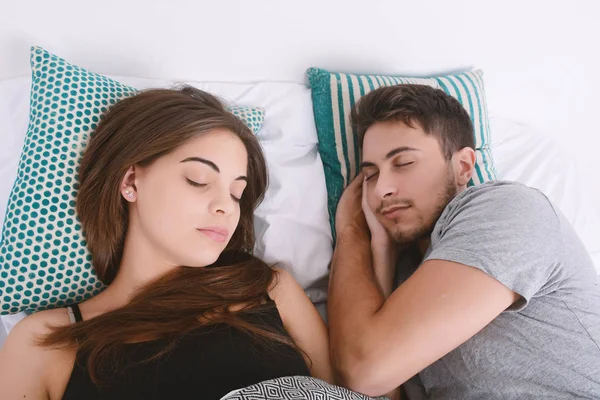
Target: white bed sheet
x=524 y=155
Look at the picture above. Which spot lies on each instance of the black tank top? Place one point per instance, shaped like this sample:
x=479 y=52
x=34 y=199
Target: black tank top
x=205 y=364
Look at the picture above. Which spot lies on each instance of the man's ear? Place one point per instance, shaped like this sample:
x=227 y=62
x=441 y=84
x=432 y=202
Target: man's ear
x=464 y=163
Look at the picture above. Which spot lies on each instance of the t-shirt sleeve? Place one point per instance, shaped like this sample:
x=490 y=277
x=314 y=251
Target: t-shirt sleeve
x=507 y=230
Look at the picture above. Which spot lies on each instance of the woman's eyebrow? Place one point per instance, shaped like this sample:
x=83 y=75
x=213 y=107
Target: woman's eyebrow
x=213 y=166
x=204 y=161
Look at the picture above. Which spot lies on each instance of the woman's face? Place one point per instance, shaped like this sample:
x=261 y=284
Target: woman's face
x=186 y=203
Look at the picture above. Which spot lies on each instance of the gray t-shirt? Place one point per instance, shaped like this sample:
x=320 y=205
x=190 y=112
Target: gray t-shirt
x=546 y=346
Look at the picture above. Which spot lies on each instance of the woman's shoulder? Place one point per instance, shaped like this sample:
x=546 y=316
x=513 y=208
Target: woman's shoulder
x=289 y=297
x=303 y=323
x=39 y=324
x=284 y=286
x=25 y=365
x=25 y=338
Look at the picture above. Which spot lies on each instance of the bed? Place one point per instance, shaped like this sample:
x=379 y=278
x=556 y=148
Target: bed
x=292 y=228
x=268 y=47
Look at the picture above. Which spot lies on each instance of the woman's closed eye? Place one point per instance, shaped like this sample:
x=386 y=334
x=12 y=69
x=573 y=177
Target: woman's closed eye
x=237 y=191
x=235 y=198
x=195 y=184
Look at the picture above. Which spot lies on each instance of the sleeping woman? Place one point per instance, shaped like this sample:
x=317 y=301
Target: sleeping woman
x=168 y=186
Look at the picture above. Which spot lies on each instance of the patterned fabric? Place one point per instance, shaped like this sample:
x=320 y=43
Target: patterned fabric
x=252 y=117
x=295 y=388
x=333 y=96
x=44 y=261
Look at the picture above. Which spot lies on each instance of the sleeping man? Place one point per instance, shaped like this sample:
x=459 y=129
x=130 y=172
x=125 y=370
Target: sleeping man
x=481 y=292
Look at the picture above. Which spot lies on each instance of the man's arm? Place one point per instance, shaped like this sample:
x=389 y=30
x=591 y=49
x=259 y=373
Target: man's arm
x=438 y=308
x=353 y=291
x=355 y=277
x=384 y=267
x=377 y=345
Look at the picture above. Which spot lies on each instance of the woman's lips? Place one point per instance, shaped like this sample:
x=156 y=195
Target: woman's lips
x=217 y=234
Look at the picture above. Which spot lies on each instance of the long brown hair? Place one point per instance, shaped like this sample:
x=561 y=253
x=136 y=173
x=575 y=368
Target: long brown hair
x=137 y=131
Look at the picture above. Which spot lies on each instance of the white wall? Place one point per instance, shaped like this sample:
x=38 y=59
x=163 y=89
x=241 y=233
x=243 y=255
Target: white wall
x=540 y=57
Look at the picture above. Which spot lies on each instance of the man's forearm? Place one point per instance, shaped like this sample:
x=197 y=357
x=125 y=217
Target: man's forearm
x=384 y=260
x=354 y=296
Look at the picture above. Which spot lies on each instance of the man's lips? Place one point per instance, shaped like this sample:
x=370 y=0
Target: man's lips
x=393 y=212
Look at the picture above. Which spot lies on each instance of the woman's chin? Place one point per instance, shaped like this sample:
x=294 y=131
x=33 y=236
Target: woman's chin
x=202 y=262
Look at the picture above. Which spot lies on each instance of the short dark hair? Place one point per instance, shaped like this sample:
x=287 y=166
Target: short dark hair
x=438 y=113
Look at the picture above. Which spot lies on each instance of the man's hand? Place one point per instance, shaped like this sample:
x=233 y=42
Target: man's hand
x=380 y=238
x=383 y=249
x=349 y=217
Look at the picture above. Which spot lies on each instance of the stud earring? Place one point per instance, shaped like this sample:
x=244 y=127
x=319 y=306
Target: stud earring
x=129 y=194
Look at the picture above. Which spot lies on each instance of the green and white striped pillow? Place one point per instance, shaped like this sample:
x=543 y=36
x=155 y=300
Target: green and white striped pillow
x=333 y=96
x=44 y=260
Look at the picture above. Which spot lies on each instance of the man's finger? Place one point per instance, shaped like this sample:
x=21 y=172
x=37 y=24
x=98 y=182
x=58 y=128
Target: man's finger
x=364 y=195
x=358 y=181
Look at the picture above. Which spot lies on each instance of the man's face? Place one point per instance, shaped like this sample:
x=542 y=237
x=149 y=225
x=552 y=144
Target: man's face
x=409 y=182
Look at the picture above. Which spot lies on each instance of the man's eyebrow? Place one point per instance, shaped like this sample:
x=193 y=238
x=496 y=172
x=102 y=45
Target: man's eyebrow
x=204 y=161
x=366 y=164
x=389 y=155
x=398 y=150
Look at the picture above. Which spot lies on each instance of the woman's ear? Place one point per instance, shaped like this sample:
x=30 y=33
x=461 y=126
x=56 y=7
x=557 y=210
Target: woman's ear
x=128 y=189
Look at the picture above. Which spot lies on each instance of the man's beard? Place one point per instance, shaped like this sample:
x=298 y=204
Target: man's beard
x=426 y=223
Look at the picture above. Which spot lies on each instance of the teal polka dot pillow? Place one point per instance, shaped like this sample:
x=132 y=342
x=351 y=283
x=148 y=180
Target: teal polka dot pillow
x=44 y=261
x=252 y=117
